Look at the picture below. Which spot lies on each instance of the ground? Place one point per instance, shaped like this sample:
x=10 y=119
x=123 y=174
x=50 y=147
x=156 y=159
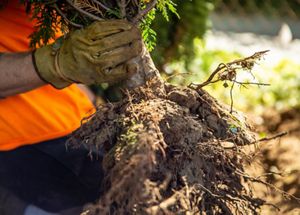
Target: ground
x=280 y=156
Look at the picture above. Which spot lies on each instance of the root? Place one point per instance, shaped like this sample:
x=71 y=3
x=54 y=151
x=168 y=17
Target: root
x=165 y=154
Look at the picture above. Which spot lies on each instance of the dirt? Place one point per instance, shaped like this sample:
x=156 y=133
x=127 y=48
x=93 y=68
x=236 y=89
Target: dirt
x=281 y=157
x=173 y=150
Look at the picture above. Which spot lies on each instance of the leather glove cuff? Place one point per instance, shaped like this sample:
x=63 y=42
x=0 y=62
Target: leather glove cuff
x=46 y=66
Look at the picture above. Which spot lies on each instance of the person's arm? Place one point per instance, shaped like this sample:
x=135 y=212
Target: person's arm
x=17 y=74
x=96 y=54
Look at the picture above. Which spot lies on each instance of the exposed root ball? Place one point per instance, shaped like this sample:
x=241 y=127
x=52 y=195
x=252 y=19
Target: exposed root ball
x=175 y=152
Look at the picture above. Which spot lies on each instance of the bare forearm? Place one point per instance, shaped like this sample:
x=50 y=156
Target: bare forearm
x=17 y=74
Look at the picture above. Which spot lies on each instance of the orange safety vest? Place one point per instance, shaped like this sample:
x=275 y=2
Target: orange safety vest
x=41 y=114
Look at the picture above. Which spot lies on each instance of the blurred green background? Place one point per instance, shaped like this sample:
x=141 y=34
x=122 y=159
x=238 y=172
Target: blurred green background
x=210 y=32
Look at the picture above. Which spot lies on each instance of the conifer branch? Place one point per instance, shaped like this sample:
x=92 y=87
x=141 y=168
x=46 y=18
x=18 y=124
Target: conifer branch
x=90 y=15
x=65 y=17
x=101 y=5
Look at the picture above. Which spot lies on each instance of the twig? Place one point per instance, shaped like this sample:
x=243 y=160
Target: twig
x=144 y=12
x=101 y=5
x=122 y=6
x=256 y=55
x=241 y=83
x=222 y=66
x=92 y=16
x=228 y=72
x=209 y=192
x=257 y=180
x=251 y=83
x=137 y=4
x=65 y=17
x=231 y=96
x=264 y=139
x=271 y=138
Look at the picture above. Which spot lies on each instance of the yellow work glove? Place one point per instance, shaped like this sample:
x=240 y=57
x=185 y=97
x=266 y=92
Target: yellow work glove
x=93 y=55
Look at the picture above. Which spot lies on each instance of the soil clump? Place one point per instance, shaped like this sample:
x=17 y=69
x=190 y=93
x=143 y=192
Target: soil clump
x=172 y=150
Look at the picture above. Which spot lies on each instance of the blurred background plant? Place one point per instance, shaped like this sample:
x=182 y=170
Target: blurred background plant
x=175 y=37
x=213 y=31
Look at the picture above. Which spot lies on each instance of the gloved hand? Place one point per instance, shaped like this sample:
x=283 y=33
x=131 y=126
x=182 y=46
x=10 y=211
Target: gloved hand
x=95 y=54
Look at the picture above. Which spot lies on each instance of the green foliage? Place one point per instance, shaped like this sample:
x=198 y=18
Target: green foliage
x=165 y=6
x=170 y=38
x=48 y=21
x=149 y=35
x=44 y=30
x=285 y=84
x=50 y=14
x=175 y=38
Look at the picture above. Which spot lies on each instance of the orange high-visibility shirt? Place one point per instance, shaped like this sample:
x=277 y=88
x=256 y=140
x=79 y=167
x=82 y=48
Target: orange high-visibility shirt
x=41 y=114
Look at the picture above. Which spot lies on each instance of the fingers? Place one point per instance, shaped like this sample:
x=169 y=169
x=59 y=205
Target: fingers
x=115 y=57
x=101 y=52
x=115 y=74
x=101 y=29
x=120 y=73
x=116 y=40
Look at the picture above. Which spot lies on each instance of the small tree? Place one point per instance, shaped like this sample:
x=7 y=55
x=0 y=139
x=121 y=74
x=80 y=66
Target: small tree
x=169 y=150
